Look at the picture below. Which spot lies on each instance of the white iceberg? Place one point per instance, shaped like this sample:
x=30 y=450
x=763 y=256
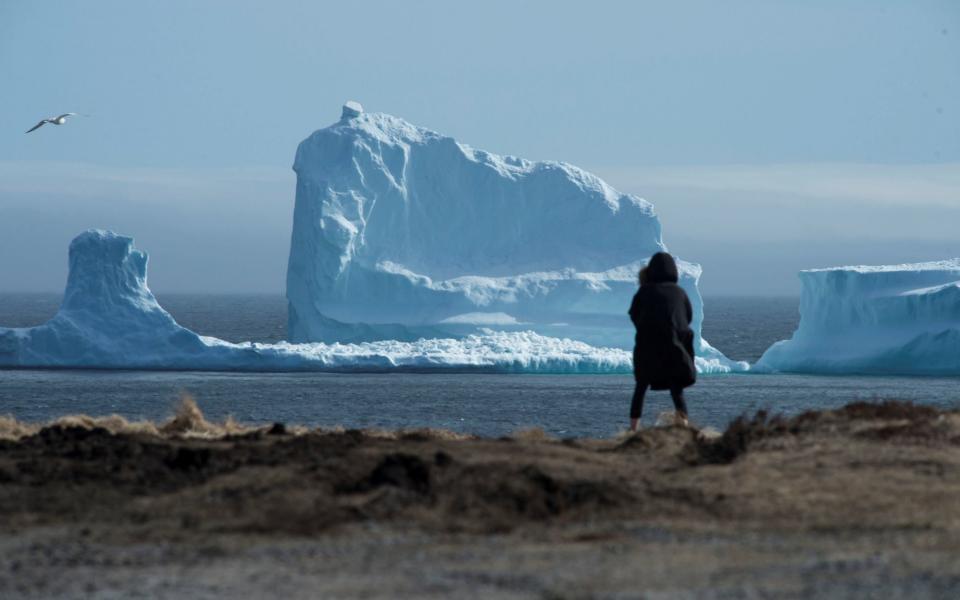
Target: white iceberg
x=109 y=319
x=402 y=233
x=900 y=319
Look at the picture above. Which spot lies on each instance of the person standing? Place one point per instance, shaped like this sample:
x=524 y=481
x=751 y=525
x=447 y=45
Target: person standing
x=663 y=350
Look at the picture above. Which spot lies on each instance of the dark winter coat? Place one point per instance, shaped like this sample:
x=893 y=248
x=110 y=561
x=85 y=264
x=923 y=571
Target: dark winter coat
x=661 y=312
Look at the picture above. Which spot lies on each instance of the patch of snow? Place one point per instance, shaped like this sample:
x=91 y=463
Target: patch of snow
x=482 y=318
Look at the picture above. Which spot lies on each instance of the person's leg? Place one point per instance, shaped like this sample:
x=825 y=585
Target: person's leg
x=679 y=404
x=636 y=406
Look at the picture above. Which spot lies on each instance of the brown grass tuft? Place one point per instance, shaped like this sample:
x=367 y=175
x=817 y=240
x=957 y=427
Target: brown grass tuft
x=531 y=434
x=907 y=421
x=888 y=410
x=740 y=434
x=188 y=419
x=188 y=422
x=12 y=429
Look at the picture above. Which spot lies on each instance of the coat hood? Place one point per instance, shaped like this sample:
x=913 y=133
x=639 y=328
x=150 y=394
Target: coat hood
x=662 y=269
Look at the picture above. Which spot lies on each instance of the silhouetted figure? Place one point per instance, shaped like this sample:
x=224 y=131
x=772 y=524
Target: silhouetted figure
x=663 y=351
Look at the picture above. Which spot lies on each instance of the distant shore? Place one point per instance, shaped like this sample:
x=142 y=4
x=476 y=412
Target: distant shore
x=864 y=500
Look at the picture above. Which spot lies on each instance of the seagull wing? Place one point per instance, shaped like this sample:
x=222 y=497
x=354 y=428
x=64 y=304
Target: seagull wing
x=66 y=115
x=37 y=126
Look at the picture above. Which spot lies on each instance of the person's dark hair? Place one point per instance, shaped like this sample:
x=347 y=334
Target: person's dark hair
x=642 y=276
x=660 y=269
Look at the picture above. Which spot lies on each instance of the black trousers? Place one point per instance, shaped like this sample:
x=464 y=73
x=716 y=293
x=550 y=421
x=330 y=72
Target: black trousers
x=636 y=407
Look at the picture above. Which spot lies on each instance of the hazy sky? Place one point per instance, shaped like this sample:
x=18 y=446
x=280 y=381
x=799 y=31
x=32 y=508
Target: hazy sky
x=771 y=136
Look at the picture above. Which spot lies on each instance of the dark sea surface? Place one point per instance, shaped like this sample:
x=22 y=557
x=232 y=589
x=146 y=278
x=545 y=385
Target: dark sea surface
x=566 y=405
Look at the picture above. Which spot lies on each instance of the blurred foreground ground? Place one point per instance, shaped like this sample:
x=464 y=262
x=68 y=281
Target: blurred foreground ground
x=859 y=502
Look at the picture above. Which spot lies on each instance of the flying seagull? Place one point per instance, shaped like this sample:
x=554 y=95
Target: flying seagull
x=52 y=120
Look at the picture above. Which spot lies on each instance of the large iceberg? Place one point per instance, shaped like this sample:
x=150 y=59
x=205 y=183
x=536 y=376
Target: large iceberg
x=901 y=319
x=110 y=319
x=402 y=233
x=409 y=251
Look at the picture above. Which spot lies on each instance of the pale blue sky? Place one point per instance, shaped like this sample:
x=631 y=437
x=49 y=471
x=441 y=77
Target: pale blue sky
x=823 y=132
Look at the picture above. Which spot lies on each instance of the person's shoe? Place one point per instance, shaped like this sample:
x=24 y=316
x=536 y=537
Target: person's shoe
x=680 y=420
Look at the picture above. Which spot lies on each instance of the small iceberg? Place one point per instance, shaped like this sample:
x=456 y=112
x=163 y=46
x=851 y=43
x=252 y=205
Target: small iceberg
x=898 y=319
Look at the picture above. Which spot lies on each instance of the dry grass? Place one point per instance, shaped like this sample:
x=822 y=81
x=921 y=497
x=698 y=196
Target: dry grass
x=713 y=447
x=902 y=420
x=813 y=470
x=852 y=488
x=189 y=422
x=889 y=410
x=12 y=429
x=531 y=434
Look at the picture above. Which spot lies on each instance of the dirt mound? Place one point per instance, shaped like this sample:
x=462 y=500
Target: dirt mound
x=180 y=477
x=888 y=420
x=889 y=410
x=741 y=433
x=91 y=497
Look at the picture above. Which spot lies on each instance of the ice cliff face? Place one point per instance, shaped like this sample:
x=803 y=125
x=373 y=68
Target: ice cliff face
x=901 y=319
x=108 y=316
x=402 y=233
x=109 y=319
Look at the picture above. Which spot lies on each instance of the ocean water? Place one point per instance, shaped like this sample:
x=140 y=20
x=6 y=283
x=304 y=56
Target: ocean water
x=486 y=404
